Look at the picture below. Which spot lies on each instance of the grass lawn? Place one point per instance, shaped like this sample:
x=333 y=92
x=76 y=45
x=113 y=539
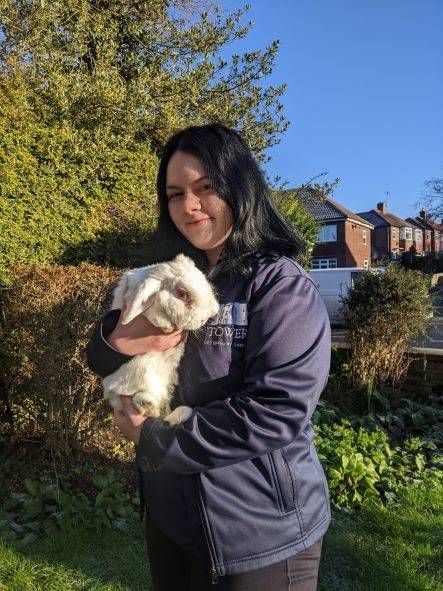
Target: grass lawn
x=376 y=549
x=383 y=549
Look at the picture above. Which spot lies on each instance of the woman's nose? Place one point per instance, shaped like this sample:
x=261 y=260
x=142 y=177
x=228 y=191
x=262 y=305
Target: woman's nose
x=191 y=202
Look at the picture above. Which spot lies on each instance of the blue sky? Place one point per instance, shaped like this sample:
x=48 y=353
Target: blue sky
x=364 y=94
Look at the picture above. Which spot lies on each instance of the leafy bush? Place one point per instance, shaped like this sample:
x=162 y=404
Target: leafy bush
x=46 y=507
x=361 y=465
x=429 y=263
x=46 y=321
x=89 y=94
x=62 y=188
x=400 y=422
x=383 y=311
x=409 y=419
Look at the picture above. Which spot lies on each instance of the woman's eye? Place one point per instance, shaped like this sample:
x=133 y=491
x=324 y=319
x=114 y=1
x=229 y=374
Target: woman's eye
x=173 y=196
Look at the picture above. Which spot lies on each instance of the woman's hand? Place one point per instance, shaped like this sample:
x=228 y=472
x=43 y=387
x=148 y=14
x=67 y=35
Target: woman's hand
x=129 y=420
x=140 y=336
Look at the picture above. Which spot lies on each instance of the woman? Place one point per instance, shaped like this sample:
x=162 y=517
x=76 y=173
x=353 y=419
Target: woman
x=236 y=497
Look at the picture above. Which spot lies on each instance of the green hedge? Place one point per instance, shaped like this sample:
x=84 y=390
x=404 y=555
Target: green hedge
x=67 y=195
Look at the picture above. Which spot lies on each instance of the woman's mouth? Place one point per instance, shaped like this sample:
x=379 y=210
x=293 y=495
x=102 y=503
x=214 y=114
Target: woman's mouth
x=198 y=222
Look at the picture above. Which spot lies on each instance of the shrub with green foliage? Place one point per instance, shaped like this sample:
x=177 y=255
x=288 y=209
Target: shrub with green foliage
x=361 y=466
x=62 y=188
x=306 y=225
x=383 y=311
x=89 y=93
x=428 y=263
x=48 y=506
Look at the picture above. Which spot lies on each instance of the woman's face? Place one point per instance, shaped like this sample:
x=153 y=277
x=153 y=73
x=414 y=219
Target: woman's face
x=197 y=211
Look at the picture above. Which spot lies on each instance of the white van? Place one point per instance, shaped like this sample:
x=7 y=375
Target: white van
x=332 y=283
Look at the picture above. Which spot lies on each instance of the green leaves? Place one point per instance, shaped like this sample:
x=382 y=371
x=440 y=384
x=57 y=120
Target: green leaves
x=361 y=466
x=31 y=487
x=89 y=93
x=48 y=507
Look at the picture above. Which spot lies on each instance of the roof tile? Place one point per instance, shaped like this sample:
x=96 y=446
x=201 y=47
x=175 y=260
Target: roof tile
x=327 y=209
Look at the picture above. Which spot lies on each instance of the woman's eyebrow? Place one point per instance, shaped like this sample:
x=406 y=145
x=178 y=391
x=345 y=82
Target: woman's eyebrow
x=202 y=178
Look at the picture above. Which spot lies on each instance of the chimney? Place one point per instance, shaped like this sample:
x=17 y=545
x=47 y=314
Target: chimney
x=382 y=207
x=424 y=214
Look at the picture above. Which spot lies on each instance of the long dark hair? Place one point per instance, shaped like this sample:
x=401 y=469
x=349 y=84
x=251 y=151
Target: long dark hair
x=234 y=174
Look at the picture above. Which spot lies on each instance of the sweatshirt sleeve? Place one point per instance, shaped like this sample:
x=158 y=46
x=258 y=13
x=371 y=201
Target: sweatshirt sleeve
x=287 y=361
x=101 y=358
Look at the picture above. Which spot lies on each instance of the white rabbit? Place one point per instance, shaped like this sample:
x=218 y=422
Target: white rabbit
x=173 y=295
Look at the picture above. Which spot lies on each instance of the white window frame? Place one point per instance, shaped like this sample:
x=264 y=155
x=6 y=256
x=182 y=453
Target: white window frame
x=394 y=232
x=327 y=233
x=418 y=235
x=326 y=263
x=364 y=236
x=406 y=233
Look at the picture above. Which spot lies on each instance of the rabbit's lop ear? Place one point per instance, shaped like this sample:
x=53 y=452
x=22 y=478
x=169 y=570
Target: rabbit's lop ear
x=119 y=292
x=143 y=298
x=183 y=260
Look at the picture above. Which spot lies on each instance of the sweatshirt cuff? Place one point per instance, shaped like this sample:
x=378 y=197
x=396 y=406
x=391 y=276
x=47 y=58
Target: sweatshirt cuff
x=108 y=324
x=101 y=357
x=146 y=458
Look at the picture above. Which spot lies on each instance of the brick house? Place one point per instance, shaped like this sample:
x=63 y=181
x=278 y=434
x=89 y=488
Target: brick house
x=391 y=235
x=433 y=232
x=418 y=237
x=344 y=238
x=427 y=234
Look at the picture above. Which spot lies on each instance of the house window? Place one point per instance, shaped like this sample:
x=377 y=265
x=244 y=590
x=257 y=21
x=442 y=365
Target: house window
x=324 y=264
x=418 y=236
x=364 y=236
x=327 y=234
x=406 y=233
x=365 y=264
x=394 y=232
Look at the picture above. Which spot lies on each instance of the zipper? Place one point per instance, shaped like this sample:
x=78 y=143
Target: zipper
x=288 y=474
x=213 y=572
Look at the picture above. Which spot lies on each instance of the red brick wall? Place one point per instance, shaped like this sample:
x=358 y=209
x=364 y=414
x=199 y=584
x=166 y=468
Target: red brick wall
x=386 y=240
x=356 y=251
x=349 y=249
x=435 y=242
x=418 y=244
x=427 y=240
x=406 y=245
x=327 y=250
x=380 y=241
x=395 y=238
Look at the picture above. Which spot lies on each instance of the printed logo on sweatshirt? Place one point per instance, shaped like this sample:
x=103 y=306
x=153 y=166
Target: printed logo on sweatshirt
x=229 y=327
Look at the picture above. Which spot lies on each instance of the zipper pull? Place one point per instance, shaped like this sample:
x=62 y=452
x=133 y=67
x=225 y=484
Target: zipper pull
x=214 y=575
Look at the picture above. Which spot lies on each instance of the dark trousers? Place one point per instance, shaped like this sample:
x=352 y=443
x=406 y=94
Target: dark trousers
x=172 y=569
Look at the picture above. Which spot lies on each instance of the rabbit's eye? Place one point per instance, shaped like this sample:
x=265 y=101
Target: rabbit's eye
x=182 y=294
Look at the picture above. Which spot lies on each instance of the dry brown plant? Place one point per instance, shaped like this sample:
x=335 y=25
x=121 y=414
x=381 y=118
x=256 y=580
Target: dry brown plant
x=47 y=316
x=383 y=311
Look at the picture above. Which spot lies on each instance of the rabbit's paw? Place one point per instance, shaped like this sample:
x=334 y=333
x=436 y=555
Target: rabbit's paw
x=179 y=415
x=144 y=405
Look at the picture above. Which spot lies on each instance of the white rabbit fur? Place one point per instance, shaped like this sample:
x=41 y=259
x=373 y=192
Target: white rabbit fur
x=171 y=295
